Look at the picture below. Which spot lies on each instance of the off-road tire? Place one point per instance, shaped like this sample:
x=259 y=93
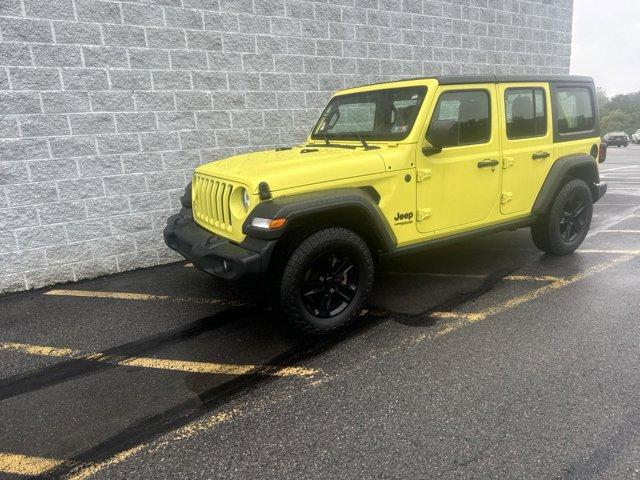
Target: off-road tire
x=546 y=231
x=296 y=265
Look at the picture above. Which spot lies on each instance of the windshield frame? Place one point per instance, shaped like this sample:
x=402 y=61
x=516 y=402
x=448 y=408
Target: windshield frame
x=369 y=136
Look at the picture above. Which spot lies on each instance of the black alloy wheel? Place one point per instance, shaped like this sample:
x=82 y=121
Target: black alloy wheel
x=330 y=284
x=325 y=280
x=573 y=219
x=565 y=225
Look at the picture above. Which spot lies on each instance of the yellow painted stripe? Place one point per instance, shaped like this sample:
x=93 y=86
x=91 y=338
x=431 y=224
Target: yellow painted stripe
x=16 y=464
x=40 y=350
x=155 y=363
x=208 y=367
x=532 y=295
x=184 y=432
x=532 y=278
x=133 y=296
x=208 y=423
x=515 y=278
x=458 y=315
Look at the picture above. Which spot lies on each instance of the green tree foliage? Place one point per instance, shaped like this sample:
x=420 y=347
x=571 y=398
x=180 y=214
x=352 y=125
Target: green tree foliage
x=620 y=113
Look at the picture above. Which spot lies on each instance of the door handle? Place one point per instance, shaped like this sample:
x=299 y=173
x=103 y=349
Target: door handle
x=488 y=163
x=540 y=155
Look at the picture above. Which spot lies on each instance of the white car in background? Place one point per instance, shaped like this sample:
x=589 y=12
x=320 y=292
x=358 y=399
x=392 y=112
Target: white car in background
x=635 y=138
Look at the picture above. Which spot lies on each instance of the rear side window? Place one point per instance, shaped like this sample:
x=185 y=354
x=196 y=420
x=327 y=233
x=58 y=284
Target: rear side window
x=526 y=113
x=575 y=110
x=461 y=118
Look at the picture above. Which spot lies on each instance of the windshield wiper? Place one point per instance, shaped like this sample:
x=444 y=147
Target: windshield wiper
x=365 y=144
x=326 y=138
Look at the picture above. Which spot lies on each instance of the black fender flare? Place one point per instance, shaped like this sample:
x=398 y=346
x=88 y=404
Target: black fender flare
x=561 y=169
x=357 y=203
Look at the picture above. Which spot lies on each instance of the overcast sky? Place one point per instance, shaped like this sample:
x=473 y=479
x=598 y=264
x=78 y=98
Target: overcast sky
x=606 y=43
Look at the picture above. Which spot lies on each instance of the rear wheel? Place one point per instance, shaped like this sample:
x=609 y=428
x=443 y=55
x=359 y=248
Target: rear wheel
x=326 y=280
x=565 y=226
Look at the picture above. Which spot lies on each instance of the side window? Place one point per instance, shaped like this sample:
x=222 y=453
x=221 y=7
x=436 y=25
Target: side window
x=575 y=110
x=460 y=118
x=526 y=113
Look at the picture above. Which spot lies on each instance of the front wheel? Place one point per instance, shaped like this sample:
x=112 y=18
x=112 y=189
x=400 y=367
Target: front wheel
x=565 y=226
x=326 y=280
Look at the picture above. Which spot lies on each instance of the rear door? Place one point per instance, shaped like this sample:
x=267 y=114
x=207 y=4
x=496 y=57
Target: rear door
x=527 y=143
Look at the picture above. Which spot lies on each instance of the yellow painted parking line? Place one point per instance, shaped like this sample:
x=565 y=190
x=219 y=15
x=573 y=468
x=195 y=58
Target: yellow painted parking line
x=458 y=315
x=192 y=429
x=16 y=464
x=532 y=295
x=514 y=278
x=208 y=367
x=187 y=431
x=134 y=296
x=94 y=468
x=40 y=350
x=155 y=363
x=532 y=278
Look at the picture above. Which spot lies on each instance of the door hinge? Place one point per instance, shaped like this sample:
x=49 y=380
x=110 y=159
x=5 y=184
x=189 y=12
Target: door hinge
x=507 y=162
x=506 y=197
x=423 y=214
x=423 y=174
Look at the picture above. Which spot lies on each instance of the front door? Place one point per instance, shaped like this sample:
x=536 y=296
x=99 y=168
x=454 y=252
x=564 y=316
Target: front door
x=527 y=143
x=459 y=185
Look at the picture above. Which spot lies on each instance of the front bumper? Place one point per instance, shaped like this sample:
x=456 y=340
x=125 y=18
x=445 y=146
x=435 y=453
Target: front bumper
x=214 y=254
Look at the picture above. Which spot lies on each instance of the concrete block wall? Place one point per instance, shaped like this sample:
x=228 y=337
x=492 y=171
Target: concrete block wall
x=107 y=106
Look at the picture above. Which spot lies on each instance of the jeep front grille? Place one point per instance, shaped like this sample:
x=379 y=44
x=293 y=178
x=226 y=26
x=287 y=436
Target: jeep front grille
x=210 y=201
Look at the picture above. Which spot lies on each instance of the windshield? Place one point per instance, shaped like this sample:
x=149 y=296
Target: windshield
x=375 y=115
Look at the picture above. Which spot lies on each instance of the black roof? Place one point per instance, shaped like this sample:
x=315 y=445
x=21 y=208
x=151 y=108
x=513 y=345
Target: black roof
x=469 y=79
x=455 y=79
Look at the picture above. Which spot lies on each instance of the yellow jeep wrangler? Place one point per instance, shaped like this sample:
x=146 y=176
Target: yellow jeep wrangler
x=391 y=169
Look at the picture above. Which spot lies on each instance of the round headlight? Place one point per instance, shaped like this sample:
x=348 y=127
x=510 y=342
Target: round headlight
x=246 y=200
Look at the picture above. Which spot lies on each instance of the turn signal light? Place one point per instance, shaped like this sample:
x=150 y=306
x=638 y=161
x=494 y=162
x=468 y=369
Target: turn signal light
x=268 y=223
x=277 y=223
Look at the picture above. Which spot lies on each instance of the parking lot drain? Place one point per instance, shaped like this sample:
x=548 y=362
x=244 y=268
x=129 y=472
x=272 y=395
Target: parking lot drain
x=16 y=464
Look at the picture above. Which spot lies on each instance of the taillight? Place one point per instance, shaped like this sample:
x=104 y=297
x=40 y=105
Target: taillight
x=602 y=152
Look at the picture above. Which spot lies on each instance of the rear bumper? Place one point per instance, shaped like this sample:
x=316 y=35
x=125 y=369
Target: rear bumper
x=598 y=190
x=214 y=254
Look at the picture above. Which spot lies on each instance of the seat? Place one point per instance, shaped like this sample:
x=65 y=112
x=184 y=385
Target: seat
x=522 y=121
x=473 y=121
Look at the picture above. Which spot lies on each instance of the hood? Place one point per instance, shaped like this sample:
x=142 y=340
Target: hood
x=296 y=167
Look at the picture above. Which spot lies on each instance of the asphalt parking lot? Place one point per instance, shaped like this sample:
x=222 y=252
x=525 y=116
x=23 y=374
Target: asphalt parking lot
x=482 y=360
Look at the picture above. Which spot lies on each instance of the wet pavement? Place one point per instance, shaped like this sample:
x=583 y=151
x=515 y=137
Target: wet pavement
x=485 y=359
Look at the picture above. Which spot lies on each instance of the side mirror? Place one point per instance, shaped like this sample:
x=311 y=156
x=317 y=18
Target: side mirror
x=429 y=150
